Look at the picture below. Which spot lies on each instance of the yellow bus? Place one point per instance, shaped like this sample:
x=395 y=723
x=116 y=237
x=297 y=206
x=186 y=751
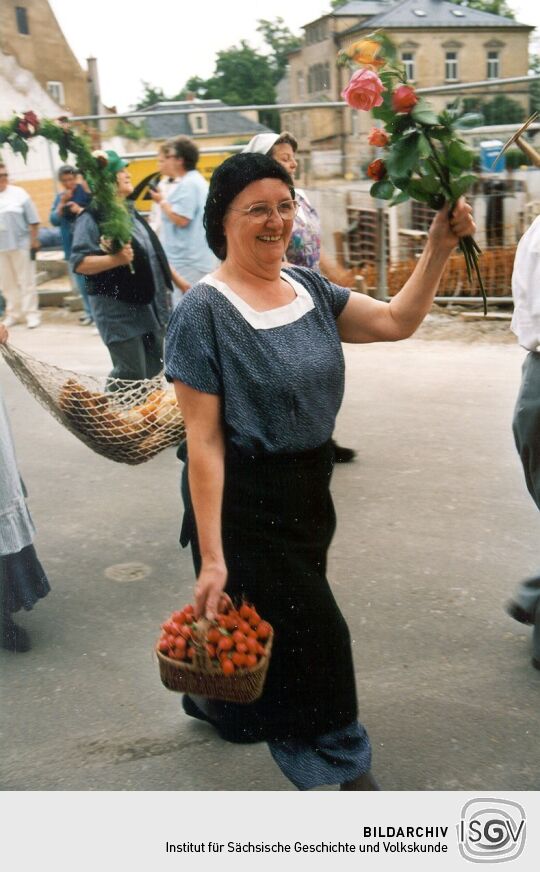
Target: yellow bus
x=145 y=169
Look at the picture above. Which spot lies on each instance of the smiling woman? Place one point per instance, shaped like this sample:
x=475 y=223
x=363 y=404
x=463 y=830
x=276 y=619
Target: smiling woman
x=255 y=355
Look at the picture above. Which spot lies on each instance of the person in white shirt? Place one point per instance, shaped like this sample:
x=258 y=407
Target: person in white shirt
x=525 y=606
x=19 y=223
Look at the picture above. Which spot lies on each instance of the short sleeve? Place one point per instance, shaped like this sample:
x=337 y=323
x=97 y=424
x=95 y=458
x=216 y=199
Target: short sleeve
x=334 y=296
x=30 y=211
x=85 y=240
x=191 y=353
x=339 y=297
x=183 y=199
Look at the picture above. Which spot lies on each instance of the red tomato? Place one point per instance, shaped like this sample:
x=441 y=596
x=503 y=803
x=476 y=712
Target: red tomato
x=251 y=660
x=191 y=652
x=178 y=617
x=227 y=667
x=264 y=630
x=211 y=649
x=225 y=643
x=255 y=619
x=163 y=646
x=245 y=611
x=244 y=628
x=185 y=632
x=188 y=610
x=174 y=654
x=213 y=635
x=238 y=659
x=238 y=637
x=179 y=643
x=252 y=645
x=170 y=627
x=241 y=647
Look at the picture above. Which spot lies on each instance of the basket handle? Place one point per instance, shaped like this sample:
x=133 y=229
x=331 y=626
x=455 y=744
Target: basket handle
x=202 y=658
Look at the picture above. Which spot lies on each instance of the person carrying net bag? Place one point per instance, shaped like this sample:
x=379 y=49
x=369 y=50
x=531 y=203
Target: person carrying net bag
x=128 y=290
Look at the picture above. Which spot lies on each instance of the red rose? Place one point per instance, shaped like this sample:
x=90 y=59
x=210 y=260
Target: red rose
x=27 y=125
x=404 y=99
x=377 y=170
x=32 y=120
x=378 y=137
x=364 y=90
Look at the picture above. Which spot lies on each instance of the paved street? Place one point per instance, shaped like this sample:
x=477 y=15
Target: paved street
x=434 y=529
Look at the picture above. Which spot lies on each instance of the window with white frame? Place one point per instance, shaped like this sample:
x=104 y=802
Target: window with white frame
x=56 y=91
x=493 y=64
x=407 y=58
x=198 y=123
x=451 y=66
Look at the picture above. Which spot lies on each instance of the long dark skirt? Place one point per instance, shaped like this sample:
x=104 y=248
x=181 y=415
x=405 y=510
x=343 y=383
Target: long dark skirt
x=278 y=522
x=22 y=581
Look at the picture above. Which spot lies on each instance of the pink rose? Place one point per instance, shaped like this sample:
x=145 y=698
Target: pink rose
x=404 y=99
x=378 y=137
x=364 y=90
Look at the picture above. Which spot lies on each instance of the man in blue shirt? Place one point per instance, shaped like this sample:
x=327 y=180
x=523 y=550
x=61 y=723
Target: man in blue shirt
x=67 y=206
x=183 y=234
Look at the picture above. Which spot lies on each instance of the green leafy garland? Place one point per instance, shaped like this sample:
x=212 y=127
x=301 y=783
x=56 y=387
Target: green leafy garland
x=113 y=217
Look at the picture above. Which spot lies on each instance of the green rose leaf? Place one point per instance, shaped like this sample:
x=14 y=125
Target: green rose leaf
x=401 y=197
x=403 y=156
x=459 y=155
x=382 y=190
x=423 y=114
x=417 y=192
x=461 y=185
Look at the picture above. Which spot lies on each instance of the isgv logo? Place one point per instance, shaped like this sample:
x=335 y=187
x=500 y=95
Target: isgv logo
x=491 y=830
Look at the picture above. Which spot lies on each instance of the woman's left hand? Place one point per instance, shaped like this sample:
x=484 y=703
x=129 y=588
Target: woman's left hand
x=4 y=335
x=449 y=227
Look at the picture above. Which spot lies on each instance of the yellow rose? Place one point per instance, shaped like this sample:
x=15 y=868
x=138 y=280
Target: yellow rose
x=366 y=52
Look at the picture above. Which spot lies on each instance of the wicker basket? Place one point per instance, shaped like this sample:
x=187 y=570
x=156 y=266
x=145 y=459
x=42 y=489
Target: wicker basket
x=204 y=678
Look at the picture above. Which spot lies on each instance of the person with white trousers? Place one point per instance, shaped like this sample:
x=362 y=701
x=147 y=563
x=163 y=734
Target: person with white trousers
x=19 y=223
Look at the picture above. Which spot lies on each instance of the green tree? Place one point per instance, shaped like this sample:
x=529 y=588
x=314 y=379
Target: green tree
x=534 y=87
x=500 y=110
x=151 y=95
x=281 y=41
x=496 y=7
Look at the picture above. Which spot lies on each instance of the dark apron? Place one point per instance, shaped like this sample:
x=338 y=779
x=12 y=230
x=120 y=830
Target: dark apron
x=278 y=522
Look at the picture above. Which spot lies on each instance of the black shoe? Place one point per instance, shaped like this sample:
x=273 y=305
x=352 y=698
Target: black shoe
x=14 y=638
x=363 y=782
x=341 y=454
x=518 y=613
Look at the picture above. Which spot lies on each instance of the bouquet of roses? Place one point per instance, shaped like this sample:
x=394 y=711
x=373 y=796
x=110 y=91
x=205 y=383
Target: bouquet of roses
x=424 y=158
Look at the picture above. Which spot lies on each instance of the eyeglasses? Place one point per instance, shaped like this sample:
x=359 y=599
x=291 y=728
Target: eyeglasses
x=258 y=213
x=4 y=175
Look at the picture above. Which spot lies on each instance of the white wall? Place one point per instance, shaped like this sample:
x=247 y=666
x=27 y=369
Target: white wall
x=20 y=92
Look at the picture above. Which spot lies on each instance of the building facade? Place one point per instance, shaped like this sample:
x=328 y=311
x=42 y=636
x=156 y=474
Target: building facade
x=30 y=33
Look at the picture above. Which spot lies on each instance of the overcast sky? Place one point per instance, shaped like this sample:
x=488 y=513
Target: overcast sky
x=166 y=41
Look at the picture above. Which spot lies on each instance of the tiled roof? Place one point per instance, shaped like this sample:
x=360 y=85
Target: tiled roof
x=362 y=7
x=218 y=123
x=434 y=13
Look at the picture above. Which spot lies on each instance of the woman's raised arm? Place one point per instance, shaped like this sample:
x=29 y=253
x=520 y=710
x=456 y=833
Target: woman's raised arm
x=367 y=320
